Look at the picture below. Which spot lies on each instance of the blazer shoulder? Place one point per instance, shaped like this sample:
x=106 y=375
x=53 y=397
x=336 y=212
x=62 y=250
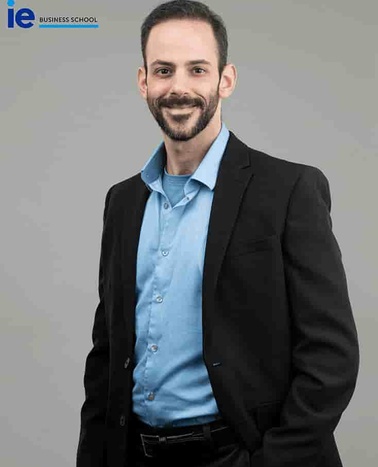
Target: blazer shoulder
x=301 y=181
x=124 y=193
x=129 y=184
x=277 y=166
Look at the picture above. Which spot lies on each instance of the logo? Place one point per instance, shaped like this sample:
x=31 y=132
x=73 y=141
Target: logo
x=25 y=18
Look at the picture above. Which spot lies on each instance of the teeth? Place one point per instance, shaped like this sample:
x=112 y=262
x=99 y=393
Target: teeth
x=182 y=108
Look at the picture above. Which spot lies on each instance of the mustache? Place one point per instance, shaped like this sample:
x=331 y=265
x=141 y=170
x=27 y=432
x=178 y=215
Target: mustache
x=179 y=102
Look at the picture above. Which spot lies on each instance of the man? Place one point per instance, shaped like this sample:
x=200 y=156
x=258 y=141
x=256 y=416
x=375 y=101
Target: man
x=224 y=335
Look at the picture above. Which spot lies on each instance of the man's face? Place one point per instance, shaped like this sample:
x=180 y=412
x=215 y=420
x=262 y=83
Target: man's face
x=182 y=86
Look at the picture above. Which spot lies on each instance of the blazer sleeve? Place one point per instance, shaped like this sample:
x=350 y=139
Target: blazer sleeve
x=91 y=448
x=325 y=355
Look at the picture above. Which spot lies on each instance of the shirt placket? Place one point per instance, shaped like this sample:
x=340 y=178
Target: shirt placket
x=163 y=267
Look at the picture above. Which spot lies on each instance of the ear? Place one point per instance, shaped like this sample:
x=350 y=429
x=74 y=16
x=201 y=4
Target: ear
x=228 y=81
x=142 y=82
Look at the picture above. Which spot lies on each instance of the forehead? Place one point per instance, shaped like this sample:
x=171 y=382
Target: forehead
x=181 y=40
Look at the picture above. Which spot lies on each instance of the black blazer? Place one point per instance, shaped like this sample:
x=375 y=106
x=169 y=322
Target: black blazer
x=276 y=315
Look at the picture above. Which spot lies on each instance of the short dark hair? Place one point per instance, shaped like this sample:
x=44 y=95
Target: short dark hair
x=187 y=9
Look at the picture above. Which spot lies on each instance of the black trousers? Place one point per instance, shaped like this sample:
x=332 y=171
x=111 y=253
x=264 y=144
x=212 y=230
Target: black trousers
x=232 y=455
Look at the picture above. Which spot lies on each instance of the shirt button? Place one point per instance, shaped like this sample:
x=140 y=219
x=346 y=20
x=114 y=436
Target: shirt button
x=166 y=205
x=151 y=396
x=159 y=299
x=122 y=420
x=127 y=362
x=165 y=252
x=187 y=198
x=154 y=347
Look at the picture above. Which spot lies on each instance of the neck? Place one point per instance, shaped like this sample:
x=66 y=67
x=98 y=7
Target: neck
x=183 y=157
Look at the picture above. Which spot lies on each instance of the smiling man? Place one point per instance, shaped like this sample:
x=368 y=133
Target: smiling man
x=224 y=335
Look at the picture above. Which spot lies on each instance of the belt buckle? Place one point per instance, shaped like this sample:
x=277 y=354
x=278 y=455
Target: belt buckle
x=165 y=439
x=142 y=436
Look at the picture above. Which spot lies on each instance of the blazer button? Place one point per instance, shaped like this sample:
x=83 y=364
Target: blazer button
x=127 y=363
x=122 y=420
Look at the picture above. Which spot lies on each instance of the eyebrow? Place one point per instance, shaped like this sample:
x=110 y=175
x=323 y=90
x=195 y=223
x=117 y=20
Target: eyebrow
x=191 y=62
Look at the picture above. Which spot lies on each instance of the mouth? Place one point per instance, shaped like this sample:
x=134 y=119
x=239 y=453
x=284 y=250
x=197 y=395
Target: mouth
x=181 y=108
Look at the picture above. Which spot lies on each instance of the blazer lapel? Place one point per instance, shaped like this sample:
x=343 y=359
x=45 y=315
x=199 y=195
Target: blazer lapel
x=234 y=175
x=132 y=224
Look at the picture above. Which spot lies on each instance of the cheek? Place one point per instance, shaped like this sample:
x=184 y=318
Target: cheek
x=157 y=89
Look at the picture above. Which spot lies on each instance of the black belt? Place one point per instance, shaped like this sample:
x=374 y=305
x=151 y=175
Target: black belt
x=156 y=441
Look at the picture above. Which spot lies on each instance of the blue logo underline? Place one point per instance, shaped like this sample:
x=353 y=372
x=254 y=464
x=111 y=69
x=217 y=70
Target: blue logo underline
x=68 y=26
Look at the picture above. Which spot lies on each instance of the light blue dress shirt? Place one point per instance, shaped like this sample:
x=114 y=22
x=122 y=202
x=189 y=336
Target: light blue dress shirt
x=171 y=383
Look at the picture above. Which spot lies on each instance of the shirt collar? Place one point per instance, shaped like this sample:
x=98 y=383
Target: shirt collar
x=206 y=172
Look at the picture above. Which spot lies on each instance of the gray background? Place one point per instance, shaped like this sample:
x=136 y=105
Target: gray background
x=72 y=124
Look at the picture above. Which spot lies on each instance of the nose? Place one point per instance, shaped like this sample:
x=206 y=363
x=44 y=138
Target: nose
x=179 y=84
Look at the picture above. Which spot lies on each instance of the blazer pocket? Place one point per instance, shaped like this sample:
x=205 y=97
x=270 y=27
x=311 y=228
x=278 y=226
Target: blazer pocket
x=267 y=415
x=245 y=247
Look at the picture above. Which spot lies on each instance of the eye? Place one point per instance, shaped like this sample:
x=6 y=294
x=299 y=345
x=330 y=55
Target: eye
x=162 y=71
x=198 y=70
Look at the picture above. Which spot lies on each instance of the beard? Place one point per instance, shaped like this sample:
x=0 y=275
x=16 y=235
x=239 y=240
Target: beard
x=180 y=130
